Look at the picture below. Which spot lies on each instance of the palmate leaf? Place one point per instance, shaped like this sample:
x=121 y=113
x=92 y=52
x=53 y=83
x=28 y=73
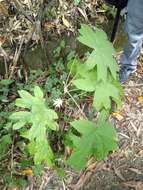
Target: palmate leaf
x=26 y=99
x=104 y=93
x=91 y=38
x=102 y=55
x=104 y=62
x=41 y=151
x=38 y=92
x=87 y=81
x=99 y=73
x=39 y=120
x=95 y=140
x=85 y=84
x=21 y=116
x=19 y=125
x=44 y=152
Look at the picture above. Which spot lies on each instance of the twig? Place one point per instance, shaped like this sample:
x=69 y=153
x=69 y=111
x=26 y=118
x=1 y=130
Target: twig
x=42 y=185
x=5 y=59
x=3 y=52
x=66 y=83
x=12 y=156
x=123 y=135
x=22 y=11
x=135 y=85
x=64 y=187
x=83 y=114
x=86 y=175
x=6 y=67
x=16 y=57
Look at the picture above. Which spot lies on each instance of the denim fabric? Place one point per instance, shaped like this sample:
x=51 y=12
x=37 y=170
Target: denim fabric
x=134 y=29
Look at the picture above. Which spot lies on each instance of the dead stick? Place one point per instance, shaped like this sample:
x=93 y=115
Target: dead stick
x=135 y=85
x=21 y=10
x=16 y=57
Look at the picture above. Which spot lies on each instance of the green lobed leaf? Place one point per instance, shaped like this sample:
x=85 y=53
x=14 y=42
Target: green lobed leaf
x=27 y=98
x=102 y=55
x=43 y=152
x=99 y=73
x=40 y=120
x=87 y=81
x=85 y=84
x=21 y=115
x=104 y=94
x=38 y=92
x=51 y=114
x=37 y=130
x=95 y=140
x=20 y=102
x=19 y=125
x=89 y=37
x=52 y=125
x=101 y=61
x=6 y=82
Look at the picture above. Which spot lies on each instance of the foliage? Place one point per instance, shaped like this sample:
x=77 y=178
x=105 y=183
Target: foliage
x=4 y=89
x=5 y=135
x=40 y=119
x=99 y=72
x=5 y=141
x=36 y=125
x=95 y=140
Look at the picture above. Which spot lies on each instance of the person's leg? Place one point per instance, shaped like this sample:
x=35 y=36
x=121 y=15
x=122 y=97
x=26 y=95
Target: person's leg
x=134 y=29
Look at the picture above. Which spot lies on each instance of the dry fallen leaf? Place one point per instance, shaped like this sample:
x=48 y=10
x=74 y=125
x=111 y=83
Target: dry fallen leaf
x=118 y=116
x=48 y=25
x=140 y=99
x=2 y=40
x=66 y=22
x=3 y=9
x=129 y=98
x=27 y=171
x=83 y=13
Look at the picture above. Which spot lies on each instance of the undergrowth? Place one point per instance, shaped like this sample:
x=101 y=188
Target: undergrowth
x=47 y=116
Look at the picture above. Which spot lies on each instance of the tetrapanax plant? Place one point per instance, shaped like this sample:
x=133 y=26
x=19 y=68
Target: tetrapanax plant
x=38 y=120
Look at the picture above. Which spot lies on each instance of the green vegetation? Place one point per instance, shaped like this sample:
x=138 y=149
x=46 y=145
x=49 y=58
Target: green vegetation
x=99 y=73
x=32 y=123
x=94 y=140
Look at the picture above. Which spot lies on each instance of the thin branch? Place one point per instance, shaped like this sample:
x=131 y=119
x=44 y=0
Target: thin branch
x=5 y=59
x=135 y=85
x=81 y=111
x=12 y=157
x=16 y=57
x=22 y=11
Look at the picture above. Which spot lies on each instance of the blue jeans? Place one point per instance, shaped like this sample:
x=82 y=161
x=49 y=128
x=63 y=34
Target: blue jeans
x=134 y=30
